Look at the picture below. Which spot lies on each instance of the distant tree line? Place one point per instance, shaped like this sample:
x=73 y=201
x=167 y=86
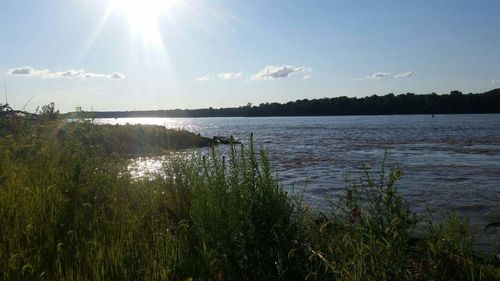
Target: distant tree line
x=409 y=103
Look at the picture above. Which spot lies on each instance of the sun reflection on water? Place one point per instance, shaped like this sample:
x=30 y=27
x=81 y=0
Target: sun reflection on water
x=152 y=167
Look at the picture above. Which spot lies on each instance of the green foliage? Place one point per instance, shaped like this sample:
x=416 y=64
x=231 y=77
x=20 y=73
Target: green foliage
x=242 y=217
x=131 y=140
x=49 y=112
x=368 y=235
x=448 y=251
x=69 y=210
x=408 y=103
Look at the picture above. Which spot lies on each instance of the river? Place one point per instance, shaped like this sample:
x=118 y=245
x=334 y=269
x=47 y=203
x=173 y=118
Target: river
x=450 y=162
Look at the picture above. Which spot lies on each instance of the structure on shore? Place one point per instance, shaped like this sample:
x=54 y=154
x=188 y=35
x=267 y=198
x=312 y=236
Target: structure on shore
x=6 y=110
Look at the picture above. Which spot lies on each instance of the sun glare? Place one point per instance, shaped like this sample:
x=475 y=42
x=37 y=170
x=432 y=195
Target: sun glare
x=143 y=15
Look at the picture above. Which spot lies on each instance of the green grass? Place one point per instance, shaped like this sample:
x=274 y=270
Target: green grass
x=131 y=140
x=70 y=210
x=123 y=140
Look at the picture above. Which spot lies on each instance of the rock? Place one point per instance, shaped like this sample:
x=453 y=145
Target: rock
x=225 y=140
x=493 y=224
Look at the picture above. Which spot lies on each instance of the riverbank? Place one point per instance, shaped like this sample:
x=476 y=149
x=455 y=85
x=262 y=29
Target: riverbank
x=131 y=140
x=409 y=103
x=69 y=210
x=121 y=140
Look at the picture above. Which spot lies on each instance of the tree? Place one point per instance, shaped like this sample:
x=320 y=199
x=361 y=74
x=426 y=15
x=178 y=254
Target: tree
x=49 y=112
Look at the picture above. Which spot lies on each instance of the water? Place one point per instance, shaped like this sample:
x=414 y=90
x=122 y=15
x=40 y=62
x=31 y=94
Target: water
x=450 y=162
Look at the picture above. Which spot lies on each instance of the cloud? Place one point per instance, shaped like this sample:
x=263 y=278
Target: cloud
x=495 y=81
x=378 y=75
x=29 y=71
x=404 y=75
x=204 y=78
x=306 y=77
x=277 y=72
x=230 y=75
x=89 y=75
x=70 y=73
x=116 y=75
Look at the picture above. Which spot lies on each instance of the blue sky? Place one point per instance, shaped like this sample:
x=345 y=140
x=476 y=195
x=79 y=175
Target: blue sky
x=153 y=54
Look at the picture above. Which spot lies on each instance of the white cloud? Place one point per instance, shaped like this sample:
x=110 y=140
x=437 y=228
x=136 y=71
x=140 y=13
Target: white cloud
x=90 y=75
x=379 y=75
x=495 y=81
x=27 y=71
x=70 y=73
x=116 y=75
x=306 y=77
x=404 y=75
x=230 y=75
x=277 y=72
x=204 y=78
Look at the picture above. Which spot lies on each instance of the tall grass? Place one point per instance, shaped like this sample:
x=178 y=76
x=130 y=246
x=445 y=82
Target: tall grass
x=70 y=210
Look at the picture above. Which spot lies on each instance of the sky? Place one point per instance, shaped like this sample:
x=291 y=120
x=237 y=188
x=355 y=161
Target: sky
x=168 y=54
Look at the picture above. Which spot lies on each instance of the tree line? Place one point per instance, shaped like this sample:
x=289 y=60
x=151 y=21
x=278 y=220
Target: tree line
x=454 y=103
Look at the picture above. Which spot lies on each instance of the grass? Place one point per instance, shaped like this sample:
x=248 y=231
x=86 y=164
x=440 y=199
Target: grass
x=131 y=140
x=70 y=210
x=122 y=140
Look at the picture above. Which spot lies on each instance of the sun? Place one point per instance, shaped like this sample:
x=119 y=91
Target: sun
x=143 y=15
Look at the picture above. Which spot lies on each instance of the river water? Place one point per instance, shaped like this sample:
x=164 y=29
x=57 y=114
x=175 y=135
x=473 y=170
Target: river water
x=450 y=162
